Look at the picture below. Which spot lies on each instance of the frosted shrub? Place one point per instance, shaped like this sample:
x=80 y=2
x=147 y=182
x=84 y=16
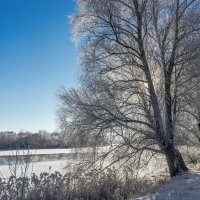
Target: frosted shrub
x=93 y=185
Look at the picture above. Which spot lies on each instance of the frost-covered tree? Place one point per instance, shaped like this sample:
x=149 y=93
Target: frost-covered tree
x=132 y=55
x=188 y=108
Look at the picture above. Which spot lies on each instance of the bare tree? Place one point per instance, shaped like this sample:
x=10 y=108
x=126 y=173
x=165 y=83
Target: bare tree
x=132 y=55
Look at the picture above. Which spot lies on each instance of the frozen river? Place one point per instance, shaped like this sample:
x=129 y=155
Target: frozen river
x=50 y=160
x=34 y=161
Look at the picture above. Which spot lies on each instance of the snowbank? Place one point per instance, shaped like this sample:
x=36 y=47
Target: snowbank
x=184 y=187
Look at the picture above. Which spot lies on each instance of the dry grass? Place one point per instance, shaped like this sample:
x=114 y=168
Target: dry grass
x=93 y=185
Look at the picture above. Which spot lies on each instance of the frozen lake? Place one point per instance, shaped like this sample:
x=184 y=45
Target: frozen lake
x=51 y=160
x=18 y=162
x=35 y=161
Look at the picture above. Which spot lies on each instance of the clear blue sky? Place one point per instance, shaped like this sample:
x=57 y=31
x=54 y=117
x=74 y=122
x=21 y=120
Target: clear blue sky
x=37 y=57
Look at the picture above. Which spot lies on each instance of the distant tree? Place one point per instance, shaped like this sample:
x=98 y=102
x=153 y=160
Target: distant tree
x=28 y=140
x=133 y=53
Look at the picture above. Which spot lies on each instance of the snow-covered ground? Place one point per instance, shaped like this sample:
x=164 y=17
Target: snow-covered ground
x=184 y=187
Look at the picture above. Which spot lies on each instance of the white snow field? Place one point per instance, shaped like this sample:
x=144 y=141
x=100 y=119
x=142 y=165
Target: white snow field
x=184 y=187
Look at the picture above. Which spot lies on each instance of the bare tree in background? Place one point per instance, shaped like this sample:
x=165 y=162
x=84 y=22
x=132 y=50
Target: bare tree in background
x=133 y=53
x=188 y=110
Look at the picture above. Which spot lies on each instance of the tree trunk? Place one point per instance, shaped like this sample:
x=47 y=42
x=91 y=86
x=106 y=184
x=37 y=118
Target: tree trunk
x=175 y=161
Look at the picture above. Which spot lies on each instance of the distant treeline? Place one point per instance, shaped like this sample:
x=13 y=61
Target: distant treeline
x=28 y=140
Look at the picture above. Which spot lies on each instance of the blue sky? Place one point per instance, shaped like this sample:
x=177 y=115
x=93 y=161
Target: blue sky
x=37 y=57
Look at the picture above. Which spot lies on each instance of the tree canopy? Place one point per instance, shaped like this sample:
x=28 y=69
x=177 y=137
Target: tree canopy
x=137 y=62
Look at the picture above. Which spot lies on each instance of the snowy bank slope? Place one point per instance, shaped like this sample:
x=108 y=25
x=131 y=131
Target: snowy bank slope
x=185 y=187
